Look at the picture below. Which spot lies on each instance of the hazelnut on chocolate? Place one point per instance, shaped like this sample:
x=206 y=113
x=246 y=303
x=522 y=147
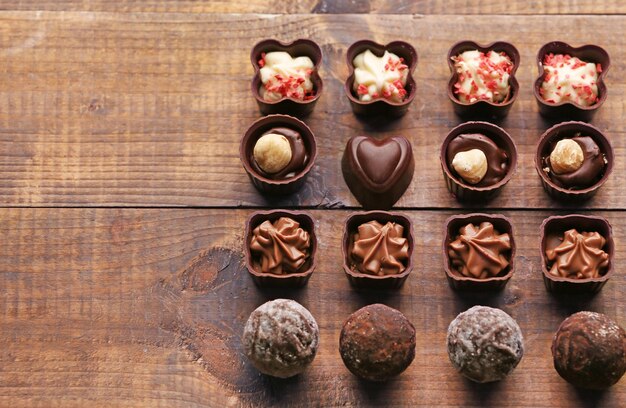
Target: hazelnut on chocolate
x=566 y=157
x=471 y=165
x=272 y=152
x=575 y=163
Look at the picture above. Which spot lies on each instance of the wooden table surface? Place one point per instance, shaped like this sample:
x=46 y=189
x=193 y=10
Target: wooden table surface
x=115 y=114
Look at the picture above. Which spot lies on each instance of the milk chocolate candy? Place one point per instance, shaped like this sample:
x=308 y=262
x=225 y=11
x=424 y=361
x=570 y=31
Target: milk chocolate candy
x=572 y=279
x=280 y=247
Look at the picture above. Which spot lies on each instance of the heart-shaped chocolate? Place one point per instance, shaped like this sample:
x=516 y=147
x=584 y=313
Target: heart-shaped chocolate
x=378 y=172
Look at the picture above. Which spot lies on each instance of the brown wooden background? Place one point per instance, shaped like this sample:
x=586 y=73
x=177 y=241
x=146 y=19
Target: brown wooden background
x=113 y=113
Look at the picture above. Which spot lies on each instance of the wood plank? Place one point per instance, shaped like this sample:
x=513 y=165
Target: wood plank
x=148 y=109
x=146 y=308
x=326 y=6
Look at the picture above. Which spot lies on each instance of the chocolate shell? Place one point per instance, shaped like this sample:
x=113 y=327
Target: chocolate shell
x=569 y=110
x=378 y=172
x=381 y=106
x=266 y=184
x=363 y=280
x=291 y=279
x=300 y=47
x=552 y=229
x=464 y=283
x=483 y=108
x=462 y=190
x=568 y=130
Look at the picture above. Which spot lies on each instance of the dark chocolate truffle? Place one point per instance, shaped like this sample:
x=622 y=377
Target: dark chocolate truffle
x=589 y=350
x=484 y=344
x=377 y=342
x=281 y=338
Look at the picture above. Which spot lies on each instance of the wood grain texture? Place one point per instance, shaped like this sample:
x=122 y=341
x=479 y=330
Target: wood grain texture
x=100 y=109
x=145 y=307
x=326 y=6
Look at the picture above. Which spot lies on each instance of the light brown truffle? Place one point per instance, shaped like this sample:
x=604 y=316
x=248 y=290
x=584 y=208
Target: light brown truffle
x=281 y=338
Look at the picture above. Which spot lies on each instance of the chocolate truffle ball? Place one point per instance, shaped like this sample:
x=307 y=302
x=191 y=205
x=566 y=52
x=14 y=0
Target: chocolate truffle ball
x=281 y=338
x=484 y=344
x=589 y=350
x=377 y=342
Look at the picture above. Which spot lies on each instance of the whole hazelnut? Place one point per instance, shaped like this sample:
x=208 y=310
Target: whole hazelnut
x=470 y=165
x=566 y=157
x=272 y=152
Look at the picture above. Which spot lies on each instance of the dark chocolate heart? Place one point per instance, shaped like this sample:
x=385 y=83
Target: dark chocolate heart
x=378 y=172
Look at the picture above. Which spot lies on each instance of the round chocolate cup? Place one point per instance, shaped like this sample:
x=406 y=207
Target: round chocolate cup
x=269 y=279
x=557 y=225
x=363 y=280
x=567 y=130
x=458 y=187
x=381 y=106
x=483 y=108
x=297 y=48
x=570 y=110
x=255 y=131
x=463 y=283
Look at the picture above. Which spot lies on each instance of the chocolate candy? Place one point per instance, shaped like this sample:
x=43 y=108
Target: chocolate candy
x=589 y=173
x=299 y=155
x=378 y=172
x=484 y=344
x=281 y=246
x=380 y=249
x=479 y=251
x=281 y=338
x=589 y=350
x=497 y=159
x=579 y=255
x=377 y=343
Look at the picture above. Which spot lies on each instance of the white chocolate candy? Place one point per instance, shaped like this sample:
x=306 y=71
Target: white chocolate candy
x=272 y=152
x=379 y=77
x=569 y=79
x=566 y=157
x=283 y=76
x=471 y=165
x=482 y=76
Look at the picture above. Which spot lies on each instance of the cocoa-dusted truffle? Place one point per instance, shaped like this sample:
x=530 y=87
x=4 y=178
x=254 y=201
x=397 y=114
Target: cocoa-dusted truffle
x=281 y=338
x=377 y=342
x=484 y=344
x=589 y=350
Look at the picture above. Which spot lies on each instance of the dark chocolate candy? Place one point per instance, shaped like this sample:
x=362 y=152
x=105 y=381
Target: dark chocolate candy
x=589 y=350
x=299 y=154
x=497 y=159
x=588 y=174
x=378 y=172
x=377 y=342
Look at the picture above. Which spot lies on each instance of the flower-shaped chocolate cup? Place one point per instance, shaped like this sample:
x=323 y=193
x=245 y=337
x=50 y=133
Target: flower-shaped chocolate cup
x=553 y=228
x=381 y=106
x=464 y=191
x=464 y=283
x=546 y=143
x=297 y=48
x=363 y=280
x=255 y=131
x=482 y=108
x=290 y=279
x=570 y=110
